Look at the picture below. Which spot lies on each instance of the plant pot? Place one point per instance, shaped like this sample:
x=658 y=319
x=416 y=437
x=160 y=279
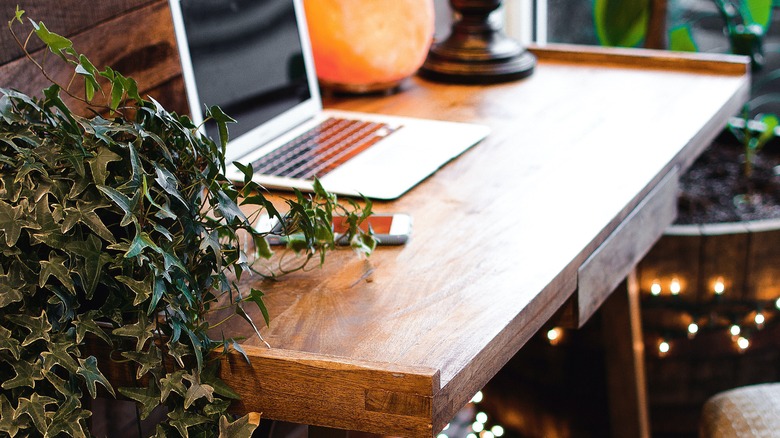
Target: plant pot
x=368 y=46
x=727 y=273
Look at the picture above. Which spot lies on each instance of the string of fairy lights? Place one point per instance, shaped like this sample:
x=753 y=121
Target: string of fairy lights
x=739 y=320
x=471 y=422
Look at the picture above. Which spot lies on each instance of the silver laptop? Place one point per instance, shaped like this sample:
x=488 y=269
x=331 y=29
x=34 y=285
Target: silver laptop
x=253 y=59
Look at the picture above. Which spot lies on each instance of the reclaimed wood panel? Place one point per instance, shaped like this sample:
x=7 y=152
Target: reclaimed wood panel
x=66 y=17
x=146 y=51
x=675 y=256
x=724 y=254
x=762 y=263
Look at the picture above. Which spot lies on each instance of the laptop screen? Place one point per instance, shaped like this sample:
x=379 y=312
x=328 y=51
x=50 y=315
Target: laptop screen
x=246 y=57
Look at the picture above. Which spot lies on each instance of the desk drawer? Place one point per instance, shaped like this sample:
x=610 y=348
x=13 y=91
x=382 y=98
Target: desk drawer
x=606 y=268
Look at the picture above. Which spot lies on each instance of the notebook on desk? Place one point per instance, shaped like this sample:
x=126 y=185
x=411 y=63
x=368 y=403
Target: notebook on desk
x=253 y=59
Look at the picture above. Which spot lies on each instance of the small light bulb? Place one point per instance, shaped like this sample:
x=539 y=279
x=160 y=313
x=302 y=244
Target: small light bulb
x=693 y=328
x=760 y=319
x=487 y=434
x=477 y=427
x=655 y=288
x=442 y=435
x=719 y=286
x=482 y=417
x=674 y=286
x=663 y=347
x=497 y=431
x=471 y=435
x=735 y=330
x=554 y=335
x=777 y=304
x=477 y=397
x=743 y=343
x=447 y=426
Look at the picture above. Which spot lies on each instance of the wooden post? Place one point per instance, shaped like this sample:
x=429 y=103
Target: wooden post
x=656 y=25
x=622 y=327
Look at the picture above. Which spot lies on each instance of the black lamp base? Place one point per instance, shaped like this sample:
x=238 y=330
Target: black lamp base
x=477 y=51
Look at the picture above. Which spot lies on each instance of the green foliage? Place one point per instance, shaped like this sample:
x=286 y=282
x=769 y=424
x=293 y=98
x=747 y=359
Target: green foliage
x=624 y=23
x=754 y=134
x=621 y=23
x=121 y=229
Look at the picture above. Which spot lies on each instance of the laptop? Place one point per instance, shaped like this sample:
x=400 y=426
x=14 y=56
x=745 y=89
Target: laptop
x=253 y=59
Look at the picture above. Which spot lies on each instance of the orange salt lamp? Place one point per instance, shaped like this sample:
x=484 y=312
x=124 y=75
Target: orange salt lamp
x=368 y=45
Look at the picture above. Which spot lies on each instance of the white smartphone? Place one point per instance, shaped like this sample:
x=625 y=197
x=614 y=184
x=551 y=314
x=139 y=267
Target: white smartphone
x=388 y=229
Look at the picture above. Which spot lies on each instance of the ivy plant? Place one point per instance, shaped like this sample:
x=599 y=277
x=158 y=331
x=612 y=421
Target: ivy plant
x=121 y=229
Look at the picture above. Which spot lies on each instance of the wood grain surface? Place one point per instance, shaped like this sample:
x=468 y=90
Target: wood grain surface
x=499 y=235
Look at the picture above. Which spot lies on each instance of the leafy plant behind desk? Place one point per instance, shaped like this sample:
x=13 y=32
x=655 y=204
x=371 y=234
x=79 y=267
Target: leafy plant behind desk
x=624 y=23
x=122 y=230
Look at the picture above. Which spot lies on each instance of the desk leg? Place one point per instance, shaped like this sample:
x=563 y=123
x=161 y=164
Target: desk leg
x=326 y=432
x=622 y=327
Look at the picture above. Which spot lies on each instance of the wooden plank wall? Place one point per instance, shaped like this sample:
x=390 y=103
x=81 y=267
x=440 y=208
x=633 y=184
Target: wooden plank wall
x=135 y=37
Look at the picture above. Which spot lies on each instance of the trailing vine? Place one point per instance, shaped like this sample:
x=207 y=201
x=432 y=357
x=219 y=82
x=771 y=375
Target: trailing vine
x=121 y=229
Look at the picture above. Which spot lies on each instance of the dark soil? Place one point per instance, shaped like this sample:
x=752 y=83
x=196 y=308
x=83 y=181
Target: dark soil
x=715 y=189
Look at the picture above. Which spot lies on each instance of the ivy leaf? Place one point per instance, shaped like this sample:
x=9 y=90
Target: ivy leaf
x=49 y=233
x=69 y=419
x=99 y=164
x=178 y=351
x=91 y=374
x=141 y=330
x=139 y=243
x=256 y=296
x=56 y=266
x=127 y=205
x=91 y=250
x=17 y=17
x=147 y=398
x=8 y=423
x=35 y=408
x=241 y=428
x=148 y=360
x=220 y=387
x=211 y=240
x=182 y=420
x=10 y=223
x=26 y=375
x=85 y=213
x=10 y=291
x=58 y=354
x=229 y=208
x=85 y=323
x=141 y=289
x=168 y=182
x=39 y=327
x=58 y=44
x=197 y=390
x=9 y=343
x=60 y=385
x=246 y=169
x=172 y=382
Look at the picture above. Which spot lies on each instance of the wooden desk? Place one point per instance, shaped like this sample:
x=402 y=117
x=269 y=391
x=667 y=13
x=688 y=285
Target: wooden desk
x=575 y=183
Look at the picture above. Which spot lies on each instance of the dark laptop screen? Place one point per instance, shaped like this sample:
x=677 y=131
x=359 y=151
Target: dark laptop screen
x=246 y=57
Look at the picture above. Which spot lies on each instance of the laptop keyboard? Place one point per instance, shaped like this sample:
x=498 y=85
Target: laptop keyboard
x=322 y=148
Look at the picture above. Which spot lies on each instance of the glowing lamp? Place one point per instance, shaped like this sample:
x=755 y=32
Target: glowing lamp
x=368 y=45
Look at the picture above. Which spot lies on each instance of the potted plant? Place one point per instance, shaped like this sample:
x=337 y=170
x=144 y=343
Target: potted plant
x=120 y=229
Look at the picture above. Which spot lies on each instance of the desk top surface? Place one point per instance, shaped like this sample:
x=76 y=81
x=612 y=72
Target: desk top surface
x=398 y=342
